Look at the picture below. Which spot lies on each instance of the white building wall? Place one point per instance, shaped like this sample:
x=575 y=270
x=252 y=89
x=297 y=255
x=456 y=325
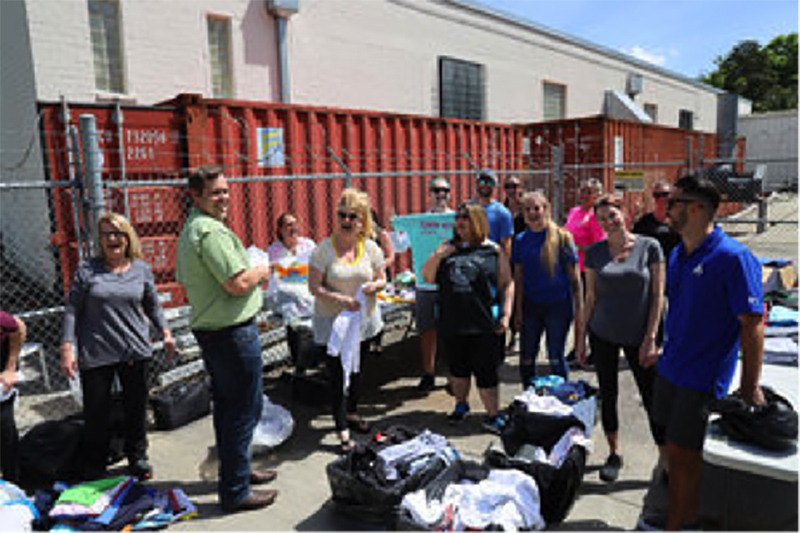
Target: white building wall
x=771 y=139
x=368 y=54
x=390 y=63
x=165 y=49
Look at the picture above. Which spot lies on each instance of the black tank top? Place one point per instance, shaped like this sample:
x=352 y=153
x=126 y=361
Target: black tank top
x=468 y=299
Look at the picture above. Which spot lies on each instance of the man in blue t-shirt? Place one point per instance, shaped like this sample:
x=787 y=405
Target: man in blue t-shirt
x=715 y=308
x=501 y=224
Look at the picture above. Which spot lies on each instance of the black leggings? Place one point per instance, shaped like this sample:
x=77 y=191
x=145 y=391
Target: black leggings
x=9 y=441
x=343 y=404
x=606 y=364
x=96 y=384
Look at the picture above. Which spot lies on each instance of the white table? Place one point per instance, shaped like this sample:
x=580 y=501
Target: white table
x=745 y=487
x=721 y=451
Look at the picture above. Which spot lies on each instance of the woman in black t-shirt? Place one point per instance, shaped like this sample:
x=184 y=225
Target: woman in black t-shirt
x=474 y=280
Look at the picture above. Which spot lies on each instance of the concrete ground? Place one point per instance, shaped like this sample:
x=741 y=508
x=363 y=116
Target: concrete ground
x=181 y=457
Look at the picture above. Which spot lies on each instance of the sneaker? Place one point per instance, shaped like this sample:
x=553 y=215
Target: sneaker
x=658 y=522
x=610 y=471
x=494 y=424
x=140 y=469
x=426 y=383
x=459 y=413
x=655 y=522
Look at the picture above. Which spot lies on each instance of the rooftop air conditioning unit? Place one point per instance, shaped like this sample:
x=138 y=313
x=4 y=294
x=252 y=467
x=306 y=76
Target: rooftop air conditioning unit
x=634 y=84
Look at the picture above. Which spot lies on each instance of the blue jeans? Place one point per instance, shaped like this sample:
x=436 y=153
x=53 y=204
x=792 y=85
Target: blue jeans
x=232 y=357
x=554 y=319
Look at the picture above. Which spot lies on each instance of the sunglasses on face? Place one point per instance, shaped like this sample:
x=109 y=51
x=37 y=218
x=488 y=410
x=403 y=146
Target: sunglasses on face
x=116 y=234
x=440 y=190
x=486 y=182
x=661 y=194
x=511 y=186
x=343 y=215
x=672 y=201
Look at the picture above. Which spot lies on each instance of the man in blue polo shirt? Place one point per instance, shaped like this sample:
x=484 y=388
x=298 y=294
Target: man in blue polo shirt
x=501 y=224
x=715 y=308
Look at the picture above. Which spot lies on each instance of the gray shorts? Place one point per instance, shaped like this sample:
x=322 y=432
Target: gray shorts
x=426 y=309
x=680 y=414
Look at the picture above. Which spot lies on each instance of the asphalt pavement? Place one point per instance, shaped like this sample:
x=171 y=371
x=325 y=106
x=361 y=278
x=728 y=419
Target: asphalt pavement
x=184 y=457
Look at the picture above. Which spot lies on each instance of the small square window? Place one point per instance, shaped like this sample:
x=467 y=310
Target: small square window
x=555 y=100
x=104 y=33
x=219 y=52
x=461 y=89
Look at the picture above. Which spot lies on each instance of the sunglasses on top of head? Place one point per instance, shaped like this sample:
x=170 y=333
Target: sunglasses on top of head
x=343 y=215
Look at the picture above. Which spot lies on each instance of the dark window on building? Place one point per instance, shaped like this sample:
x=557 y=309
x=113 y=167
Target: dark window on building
x=686 y=120
x=461 y=89
x=652 y=111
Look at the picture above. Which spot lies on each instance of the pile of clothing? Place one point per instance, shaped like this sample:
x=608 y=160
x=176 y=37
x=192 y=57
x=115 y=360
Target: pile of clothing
x=780 y=298
x=370 y=481
x=469 y=496
x=110 y=504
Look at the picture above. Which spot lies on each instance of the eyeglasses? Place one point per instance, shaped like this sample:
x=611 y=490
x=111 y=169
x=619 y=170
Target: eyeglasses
x=347 y=216
x=672 y=201
x=440 y=190
x=116 y=234
x=463 y=215
x=660 y=194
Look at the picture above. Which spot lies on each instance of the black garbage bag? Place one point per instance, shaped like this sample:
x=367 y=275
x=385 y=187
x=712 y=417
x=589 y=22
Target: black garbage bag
x=539 y=429
x=52 y=451
x=772 y=426
x=360 y=491
x=558 y=486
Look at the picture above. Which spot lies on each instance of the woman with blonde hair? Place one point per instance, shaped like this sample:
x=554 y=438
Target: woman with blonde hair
x=474 y=280
x=111 y=299
x=346 y=271
x=548 y=285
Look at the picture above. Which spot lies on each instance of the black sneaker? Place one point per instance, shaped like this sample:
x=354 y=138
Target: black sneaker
x=426 y=383
x=140 y=469
x=658 y=522
x=610 y=471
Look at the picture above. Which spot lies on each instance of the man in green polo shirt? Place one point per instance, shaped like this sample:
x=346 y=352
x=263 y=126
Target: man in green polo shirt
x=223 y=291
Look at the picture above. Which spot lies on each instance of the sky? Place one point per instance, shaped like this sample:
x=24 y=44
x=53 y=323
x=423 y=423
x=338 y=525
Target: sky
x=684 y=36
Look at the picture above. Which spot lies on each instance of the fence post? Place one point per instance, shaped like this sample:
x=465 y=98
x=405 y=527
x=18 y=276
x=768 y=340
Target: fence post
x=558 y=184
x=93 y=165
x=689 y=154
x=118 y=120
x=761 y=226
x=69 y=143
x=700 y=148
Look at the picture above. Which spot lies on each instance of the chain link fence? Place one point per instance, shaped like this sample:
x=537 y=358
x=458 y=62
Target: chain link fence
x=47 y=225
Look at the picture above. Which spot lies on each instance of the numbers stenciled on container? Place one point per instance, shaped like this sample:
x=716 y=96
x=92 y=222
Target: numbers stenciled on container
x=141 y=143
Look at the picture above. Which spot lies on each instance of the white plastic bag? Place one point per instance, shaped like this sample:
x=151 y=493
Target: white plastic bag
x=274 y=427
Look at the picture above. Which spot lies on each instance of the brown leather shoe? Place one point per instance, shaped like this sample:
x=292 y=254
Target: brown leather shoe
x=261 y=477
x=258 y=499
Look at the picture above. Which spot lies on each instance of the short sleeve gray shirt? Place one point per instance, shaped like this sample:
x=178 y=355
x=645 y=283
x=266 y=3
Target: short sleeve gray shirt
x=622 y=290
